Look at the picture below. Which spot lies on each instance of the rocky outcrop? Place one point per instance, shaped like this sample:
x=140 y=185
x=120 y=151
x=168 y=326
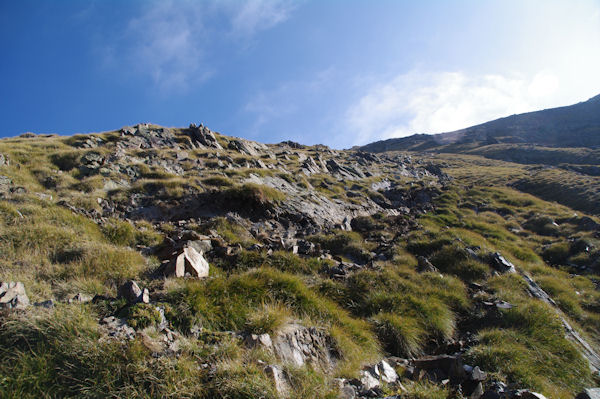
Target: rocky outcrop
x=146 y=136
x=13 y=296
x=203 y=137
x=247 y=147
x=300 y=346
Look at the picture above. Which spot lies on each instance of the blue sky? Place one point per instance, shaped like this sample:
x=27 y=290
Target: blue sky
x=339 y=72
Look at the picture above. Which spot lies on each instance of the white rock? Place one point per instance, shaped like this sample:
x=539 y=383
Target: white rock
x=386 y=372
x=12 y=295
x=368 y=380
x=189 y=261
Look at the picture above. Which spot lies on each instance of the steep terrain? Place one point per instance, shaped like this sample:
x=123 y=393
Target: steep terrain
x=160 y=262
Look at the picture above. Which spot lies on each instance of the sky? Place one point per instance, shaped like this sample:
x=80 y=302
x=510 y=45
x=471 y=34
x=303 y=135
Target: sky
x=340 y=73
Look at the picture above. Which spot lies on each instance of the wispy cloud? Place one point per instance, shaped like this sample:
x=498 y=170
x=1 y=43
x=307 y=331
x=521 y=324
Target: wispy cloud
x=418 y=102
x=257 y=15
x=172 y=41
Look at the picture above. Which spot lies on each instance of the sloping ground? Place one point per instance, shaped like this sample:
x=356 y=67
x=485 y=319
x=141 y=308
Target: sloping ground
x=331 y=272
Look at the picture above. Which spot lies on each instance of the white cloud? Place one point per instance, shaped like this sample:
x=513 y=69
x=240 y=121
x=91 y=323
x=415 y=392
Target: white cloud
x=257 y=15
x=418 y=102
x=170 y=41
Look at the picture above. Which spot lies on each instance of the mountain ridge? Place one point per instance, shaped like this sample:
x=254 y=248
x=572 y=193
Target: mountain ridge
x=576 y=125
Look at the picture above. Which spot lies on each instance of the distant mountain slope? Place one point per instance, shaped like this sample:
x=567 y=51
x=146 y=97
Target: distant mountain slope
x=576 y=125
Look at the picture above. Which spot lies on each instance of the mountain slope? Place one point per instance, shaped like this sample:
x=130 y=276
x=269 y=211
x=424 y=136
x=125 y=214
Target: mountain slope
x=576 y=125
x=152 y=262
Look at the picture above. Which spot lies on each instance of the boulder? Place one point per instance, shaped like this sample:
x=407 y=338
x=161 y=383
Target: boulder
x=589 y=393
x=189 y=261
x=3 y=160
x=13 y=296
x=133 y=293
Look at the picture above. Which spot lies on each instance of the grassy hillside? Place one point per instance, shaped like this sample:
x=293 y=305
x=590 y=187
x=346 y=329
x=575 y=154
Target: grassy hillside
x=85 y=214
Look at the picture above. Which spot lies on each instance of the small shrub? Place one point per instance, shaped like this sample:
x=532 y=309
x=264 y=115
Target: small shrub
x=142 y=315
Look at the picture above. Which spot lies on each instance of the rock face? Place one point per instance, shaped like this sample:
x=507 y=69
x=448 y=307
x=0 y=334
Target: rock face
x=189 y=261
x=13 y=296
x=298 y=345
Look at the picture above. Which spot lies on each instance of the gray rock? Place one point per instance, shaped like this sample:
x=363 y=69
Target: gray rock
x=425 y=265
x=306 y=247
x=189 y=261
x=384 y=372
x=589 y=393
x=277 y=376
x=501 y=264
x=80 y=298
x=368 y=380
x=298 y=345
x=204 y=136
x=247 y=147
x=132 y=292
x=309 y=166
x=145 y=136
x=48 y=304
x=347 y=392
x=117 y=328
x=13 y=296
x=477 y=374
x=3 y=160
x=259 y=340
